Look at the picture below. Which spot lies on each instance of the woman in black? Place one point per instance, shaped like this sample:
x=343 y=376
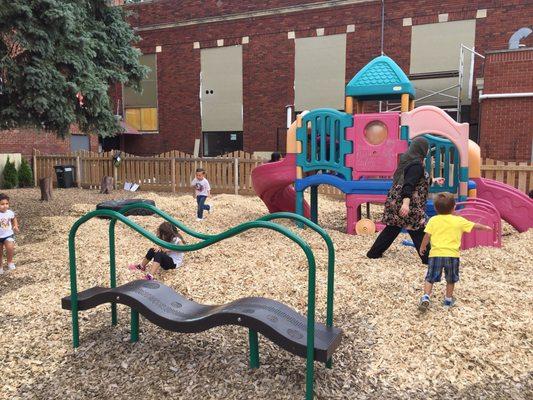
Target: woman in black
x=405 y=206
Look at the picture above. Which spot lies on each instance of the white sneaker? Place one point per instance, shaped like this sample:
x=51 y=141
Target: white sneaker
x=199 y=219
x=210 y=209
x=1 y=271
x=11 y=266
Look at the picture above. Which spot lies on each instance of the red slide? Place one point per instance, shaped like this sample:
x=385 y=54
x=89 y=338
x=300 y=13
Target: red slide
x=514 y=206
x=273 y=184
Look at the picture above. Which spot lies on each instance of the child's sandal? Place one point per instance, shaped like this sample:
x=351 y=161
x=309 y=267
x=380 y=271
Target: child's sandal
x=136 y=267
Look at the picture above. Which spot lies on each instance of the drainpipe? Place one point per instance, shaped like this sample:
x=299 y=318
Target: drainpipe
x=503 y=95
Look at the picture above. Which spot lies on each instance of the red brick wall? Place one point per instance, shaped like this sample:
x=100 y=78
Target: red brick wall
x=507 y=124
x=268 y=60
x=25 y=140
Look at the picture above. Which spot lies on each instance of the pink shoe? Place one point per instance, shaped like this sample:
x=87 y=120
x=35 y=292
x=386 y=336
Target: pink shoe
x=136 y=267
x=149 y=277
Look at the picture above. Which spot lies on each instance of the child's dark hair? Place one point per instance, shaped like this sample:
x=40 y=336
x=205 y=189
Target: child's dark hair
x=444 y=203
x=4 y=196
x=275 y=156
x=200 y=170
x=167 y=232
x=531 y=194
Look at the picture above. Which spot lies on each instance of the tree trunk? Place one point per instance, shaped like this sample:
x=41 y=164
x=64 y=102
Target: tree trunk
x=107 y=185
x=46 y=188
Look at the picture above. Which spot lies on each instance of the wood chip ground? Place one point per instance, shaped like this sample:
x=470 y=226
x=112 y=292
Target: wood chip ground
x=482 y=348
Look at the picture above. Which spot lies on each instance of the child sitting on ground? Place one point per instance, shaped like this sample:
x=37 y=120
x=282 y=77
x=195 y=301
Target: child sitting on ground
x=8 y=226
x=202 y=189
x=444 y=231
x=162 y=258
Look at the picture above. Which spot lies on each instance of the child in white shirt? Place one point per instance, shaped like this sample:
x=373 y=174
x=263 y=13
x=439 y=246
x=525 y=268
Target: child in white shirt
x=8 y=226
x=161 y=258
x=202 y=190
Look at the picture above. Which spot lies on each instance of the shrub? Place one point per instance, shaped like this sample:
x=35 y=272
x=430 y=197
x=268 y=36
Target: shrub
x=10 y=175
x=25 y=174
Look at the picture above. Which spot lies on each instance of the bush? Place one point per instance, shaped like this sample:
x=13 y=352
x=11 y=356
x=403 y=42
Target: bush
x=10 y=175
x=25 y=174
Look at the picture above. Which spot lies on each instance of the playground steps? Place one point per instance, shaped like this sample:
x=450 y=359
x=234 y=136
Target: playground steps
x=164 y=307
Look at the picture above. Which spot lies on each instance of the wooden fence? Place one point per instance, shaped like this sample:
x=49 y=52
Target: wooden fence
x=172 y=171
x=230 y=173
x=518 y=175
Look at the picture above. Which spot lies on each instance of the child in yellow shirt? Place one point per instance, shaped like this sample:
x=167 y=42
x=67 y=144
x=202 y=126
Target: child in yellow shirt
x=444 y=231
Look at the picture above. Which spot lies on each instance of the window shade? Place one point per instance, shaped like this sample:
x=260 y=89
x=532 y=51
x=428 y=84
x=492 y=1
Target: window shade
x=320 y=69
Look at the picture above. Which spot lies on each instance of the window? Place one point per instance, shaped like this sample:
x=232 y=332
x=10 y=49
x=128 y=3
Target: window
x=320 y=69
x=79 y=142
x=140 y=109
x=435 y=50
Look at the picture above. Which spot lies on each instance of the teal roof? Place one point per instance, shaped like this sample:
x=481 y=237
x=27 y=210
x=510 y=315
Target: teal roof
x=380 y=79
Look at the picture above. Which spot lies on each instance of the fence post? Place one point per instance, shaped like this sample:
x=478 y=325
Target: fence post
x=35 y=168
x=236 y=174
x=115 y=176
x=173 y=173
x=78 y=171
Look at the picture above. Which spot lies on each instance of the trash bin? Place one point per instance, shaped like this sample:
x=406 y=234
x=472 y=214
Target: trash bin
x=65 y=176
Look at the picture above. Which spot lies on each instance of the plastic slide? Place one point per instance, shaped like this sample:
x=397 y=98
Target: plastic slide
x=514 y=206
x=273 y=184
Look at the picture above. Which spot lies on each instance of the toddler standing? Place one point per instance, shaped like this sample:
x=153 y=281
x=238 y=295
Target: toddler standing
x=444 y=231
x=202 y=190
x=8 y=226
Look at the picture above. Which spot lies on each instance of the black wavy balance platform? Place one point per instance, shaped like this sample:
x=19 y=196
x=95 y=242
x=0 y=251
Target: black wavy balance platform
x=298 y=334
x=164 y=307
x=117 y=205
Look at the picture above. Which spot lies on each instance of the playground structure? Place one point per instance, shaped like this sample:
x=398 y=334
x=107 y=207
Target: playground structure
x=358 y=153
x=164 y=307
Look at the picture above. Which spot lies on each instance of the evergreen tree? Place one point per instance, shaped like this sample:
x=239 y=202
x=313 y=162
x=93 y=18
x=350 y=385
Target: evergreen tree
x=25 y=175
x=57 y=61
x=10 y=175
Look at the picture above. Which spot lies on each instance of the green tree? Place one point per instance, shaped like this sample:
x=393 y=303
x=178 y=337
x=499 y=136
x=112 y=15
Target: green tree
x=10 y=175
x=25 y=175
x=57 y=61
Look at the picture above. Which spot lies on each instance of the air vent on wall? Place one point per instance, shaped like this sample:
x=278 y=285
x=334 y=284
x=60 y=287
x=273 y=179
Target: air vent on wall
x=514 y=41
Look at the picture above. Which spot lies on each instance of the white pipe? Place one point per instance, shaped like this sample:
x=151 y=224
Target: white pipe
x=289 y=116
x=503 y=95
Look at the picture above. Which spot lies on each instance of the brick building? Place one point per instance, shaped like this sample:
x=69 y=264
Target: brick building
x=223 y=71
x=507 y=122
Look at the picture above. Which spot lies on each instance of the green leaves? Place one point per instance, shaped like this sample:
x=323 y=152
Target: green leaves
x=52 y=49
x=11 y=179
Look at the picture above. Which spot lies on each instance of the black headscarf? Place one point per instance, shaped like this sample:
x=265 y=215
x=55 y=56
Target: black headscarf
x=418 y=149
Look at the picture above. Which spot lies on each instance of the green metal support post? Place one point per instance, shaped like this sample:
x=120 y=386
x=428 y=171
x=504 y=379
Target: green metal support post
x=112 y=268
x=134 y=328
x=254 y=349
x=314 y=204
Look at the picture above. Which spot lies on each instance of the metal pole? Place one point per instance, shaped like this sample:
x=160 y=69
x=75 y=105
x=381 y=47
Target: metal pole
x=382 y=24
x=112 y=268
x=254 y=349
x=460 y=91
x=134 y=326
x=289 y=115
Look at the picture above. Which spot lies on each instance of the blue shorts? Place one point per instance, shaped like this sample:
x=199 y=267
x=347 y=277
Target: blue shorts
x=437 y=264
x=10 y=238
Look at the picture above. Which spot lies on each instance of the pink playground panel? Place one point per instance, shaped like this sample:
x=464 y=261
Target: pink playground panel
x=433 y=120
x=483 y=212
x=353 y=212
x=376 y=149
